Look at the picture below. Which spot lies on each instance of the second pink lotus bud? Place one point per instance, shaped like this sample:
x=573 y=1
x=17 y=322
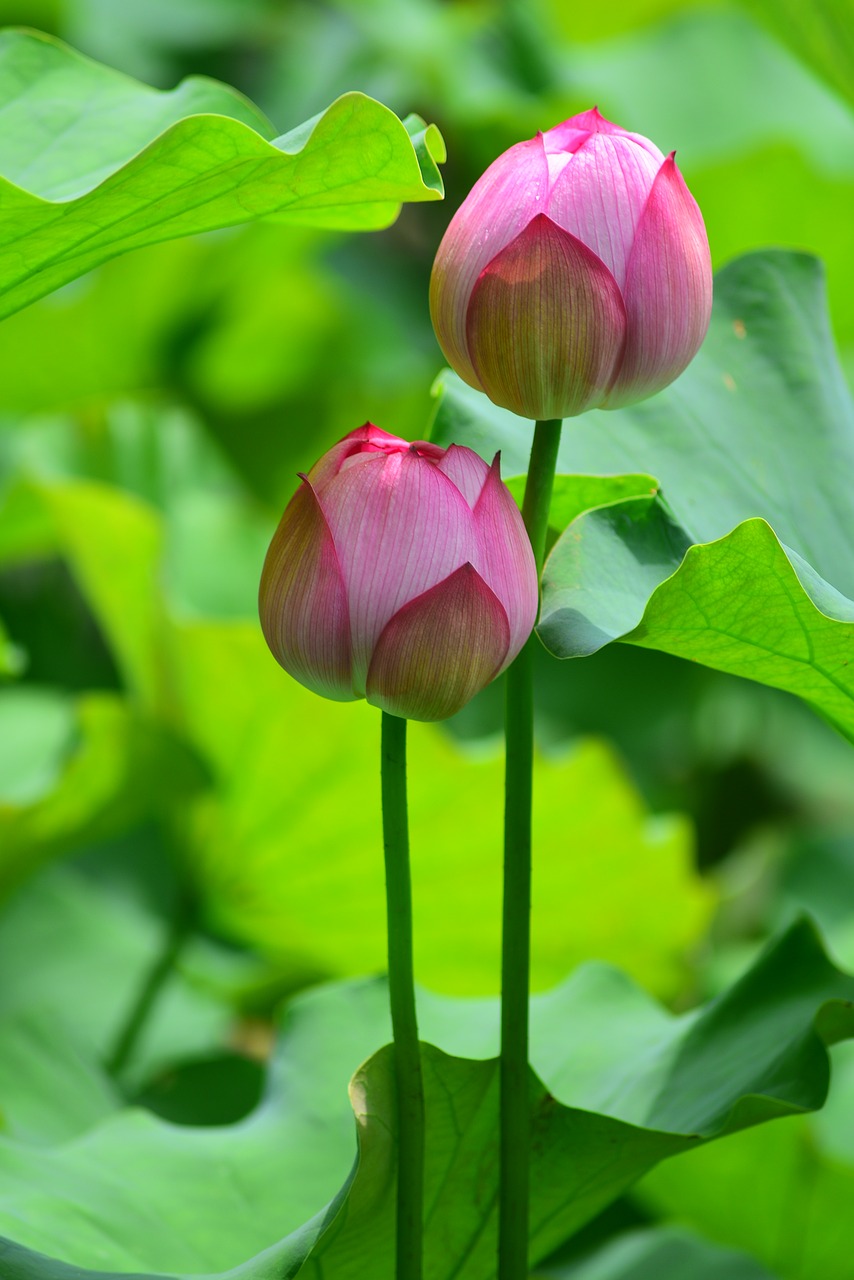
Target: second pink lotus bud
x=575 y=275
x=399 y=573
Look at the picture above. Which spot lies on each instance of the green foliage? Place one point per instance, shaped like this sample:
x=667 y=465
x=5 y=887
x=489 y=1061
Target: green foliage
x=646 y=1087
x=139 y=166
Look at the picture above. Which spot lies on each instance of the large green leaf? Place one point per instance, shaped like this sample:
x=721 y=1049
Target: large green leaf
x=308 y=881
x=760 y=428
x=645 y=1087
x=94 y=164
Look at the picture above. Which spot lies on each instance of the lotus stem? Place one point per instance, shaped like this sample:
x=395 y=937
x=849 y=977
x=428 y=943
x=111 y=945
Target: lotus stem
x=515 y=1124
x=407 y=1053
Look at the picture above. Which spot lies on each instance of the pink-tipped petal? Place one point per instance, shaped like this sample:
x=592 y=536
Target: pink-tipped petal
x=600 y=194
x=546 y=325
x=467 y=469
x=668 y=290
x=572 y=133
x=505 y=558
x=439 y=650
x=364 y=441
x=399 y=526
x=302 y=602
x=512 y=190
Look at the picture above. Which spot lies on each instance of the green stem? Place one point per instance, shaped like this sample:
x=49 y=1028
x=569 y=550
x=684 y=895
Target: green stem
x=515 y=1135
x=175 y=940
x=407 y=1054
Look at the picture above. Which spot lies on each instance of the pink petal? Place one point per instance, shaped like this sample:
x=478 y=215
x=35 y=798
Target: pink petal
x=439 y=650
x=668 y=290
x=400 y=526
x=572 y=133
x=302 y=602
x=546 y=325
x=503 y=200
x=505 y=558
x=467 y=469
x=600 y=193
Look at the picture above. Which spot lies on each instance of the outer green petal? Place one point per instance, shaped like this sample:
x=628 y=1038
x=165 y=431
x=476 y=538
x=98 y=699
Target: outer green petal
x=546 y=324
x=439 y=650
x=303 y=603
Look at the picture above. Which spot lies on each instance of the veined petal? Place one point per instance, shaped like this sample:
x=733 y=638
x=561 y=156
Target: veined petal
x=600 y=193
x=439 y=650
x=400 y=526
x=512 y=190
x=302 y=602
x=546 y=325
x=668 y=290
x=467 y=469
x=505 y=558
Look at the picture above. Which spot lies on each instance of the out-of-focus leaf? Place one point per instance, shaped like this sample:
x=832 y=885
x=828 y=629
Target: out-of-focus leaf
x=663 y=1253
x=772 y=1191
x=648 y=1086
x=136 y=165
x=75 y=954
x=113 y=544
x=50 y=1088
x=88 y=767
x=820 y=33
x=289 y=852
x=12 y=660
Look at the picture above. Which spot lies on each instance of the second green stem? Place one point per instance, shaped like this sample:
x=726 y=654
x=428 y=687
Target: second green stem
x=515 y=1125
x=407 y=1052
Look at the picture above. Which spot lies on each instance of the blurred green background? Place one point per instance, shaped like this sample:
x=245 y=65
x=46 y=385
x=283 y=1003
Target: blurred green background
x=153 y=417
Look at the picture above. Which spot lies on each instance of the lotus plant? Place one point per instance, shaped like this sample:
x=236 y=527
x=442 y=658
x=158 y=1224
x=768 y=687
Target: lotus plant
x=401 y=573
x=575 y=275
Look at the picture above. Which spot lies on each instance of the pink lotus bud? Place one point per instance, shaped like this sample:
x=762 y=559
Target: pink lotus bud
x=575 y=275
x=400 y=573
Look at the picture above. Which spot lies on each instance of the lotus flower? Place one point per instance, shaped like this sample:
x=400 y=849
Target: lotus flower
x=575 y=275
x=400 y=573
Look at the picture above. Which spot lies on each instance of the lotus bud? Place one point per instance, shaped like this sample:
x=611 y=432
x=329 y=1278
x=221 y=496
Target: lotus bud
x=400 y=573
x=575 y=275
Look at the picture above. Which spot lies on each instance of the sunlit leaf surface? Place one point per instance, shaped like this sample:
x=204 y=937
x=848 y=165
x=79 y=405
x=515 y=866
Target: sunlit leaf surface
x=94 y=164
